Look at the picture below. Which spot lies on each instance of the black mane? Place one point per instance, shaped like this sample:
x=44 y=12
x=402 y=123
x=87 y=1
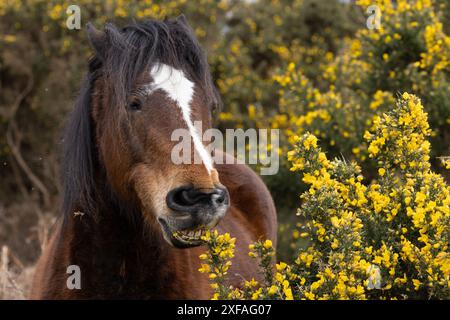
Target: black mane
x=130 y=51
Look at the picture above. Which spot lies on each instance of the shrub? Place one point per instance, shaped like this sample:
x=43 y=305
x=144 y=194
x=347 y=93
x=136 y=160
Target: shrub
x=410 y=52
x=388 y=239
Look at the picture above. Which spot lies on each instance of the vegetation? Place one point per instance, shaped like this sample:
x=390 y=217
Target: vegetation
x=388 y=239
x=310 y=68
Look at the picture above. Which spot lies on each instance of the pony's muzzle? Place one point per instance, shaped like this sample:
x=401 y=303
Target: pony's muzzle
x=193 y=211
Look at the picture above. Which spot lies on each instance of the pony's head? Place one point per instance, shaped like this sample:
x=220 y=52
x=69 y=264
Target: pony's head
x=145 y=81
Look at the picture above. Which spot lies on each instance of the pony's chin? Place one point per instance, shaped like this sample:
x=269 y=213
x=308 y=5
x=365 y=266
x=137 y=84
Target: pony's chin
x=182 y=239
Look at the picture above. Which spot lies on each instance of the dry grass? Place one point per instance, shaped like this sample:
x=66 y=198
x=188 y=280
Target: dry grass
x=15 y=279
x=24 y=230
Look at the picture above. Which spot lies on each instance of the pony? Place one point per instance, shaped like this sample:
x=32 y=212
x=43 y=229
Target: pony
x=132 y=220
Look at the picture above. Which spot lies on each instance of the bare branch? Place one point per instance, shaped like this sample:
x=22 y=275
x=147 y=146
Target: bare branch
x=15 y=144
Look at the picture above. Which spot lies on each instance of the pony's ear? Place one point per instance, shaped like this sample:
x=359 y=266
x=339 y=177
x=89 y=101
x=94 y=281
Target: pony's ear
x=182 y=20
x=98 y=40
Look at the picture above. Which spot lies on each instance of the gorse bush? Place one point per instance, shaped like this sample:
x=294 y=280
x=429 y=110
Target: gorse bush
x=388 y=239
x=409 y=52
x=217 y=261
x=263 y=36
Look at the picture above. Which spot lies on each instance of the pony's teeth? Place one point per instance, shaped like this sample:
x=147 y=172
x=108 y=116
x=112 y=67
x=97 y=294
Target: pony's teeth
x=189 y=235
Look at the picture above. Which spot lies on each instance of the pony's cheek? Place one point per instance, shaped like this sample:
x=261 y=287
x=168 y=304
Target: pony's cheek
x=151 y=187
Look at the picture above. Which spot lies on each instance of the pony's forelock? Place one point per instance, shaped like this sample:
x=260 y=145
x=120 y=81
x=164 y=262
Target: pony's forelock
x=140 y=45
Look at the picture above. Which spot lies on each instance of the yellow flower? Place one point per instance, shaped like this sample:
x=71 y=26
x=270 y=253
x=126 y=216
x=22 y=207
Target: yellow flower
x=281 y=266
x=267 y=244
x=251 y=111
x=272 y=290
x=288 y=293
x=420 y=197
x=416 y=284
x=310 y=141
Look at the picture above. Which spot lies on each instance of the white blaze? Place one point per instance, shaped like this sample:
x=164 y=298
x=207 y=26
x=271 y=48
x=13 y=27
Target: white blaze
x=181 y=90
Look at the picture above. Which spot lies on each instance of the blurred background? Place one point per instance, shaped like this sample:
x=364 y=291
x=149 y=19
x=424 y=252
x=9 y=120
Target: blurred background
x=301 y=65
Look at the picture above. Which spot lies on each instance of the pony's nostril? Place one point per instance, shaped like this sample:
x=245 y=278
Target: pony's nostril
x=184 y=198
x=219 y=196
x=190 y=199
x=196 y=196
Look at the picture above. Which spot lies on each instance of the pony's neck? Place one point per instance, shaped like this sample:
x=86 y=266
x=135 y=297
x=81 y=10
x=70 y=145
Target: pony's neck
x=119 y=256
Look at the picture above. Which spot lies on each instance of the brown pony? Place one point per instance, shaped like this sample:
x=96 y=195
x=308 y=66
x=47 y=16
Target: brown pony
x=132 y=218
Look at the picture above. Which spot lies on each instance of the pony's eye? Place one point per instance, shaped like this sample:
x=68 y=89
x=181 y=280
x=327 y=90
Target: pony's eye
x=135 y=106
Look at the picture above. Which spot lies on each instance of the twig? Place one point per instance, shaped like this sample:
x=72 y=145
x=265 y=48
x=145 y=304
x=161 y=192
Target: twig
x=15 y=145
